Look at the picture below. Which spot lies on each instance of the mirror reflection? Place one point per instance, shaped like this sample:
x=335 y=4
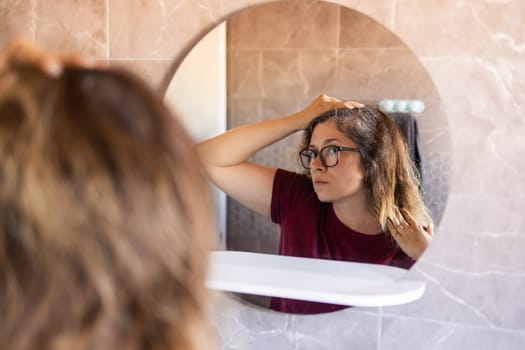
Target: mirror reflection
x=356 y=194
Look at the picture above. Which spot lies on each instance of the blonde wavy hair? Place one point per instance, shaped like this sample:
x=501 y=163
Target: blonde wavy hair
x=105 y=219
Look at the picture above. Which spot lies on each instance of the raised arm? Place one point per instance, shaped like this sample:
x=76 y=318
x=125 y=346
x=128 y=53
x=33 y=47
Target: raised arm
x=224 y=157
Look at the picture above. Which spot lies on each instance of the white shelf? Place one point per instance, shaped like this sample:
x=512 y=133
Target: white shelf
x=329 y=281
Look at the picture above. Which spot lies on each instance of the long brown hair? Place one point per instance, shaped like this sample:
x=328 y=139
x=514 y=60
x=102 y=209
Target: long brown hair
x=391 y=178
x=104 y=216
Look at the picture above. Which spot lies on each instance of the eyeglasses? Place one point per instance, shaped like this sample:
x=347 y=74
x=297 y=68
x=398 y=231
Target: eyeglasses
x=329 y=155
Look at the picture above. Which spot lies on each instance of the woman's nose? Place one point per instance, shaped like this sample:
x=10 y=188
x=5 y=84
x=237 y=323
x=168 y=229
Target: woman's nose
x=316 y=164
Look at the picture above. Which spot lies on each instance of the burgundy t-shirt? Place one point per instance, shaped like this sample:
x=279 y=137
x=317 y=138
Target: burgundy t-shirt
x=310 y=228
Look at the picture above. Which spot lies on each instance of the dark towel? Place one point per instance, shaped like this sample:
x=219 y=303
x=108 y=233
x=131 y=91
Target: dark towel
x=408 y=125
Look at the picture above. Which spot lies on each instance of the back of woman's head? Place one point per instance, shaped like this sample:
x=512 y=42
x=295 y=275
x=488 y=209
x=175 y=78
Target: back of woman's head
x=391 y=178
x=104 y=217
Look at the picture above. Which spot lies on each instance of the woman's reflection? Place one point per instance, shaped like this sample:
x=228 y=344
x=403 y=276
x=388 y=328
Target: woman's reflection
x=345 y=206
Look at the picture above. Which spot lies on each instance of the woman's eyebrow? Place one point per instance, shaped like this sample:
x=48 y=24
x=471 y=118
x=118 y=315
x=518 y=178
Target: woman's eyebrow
x=325 y=142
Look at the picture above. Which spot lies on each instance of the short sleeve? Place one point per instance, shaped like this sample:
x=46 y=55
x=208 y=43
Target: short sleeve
x=288 y=188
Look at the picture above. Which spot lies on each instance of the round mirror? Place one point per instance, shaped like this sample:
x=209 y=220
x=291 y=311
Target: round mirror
x=273 y=60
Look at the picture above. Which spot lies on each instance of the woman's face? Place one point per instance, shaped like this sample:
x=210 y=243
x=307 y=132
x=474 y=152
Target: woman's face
x=345 y=180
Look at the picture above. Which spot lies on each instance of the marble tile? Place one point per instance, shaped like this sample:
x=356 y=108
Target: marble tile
x=274 y=106
x=242 y=109
x=242 y=326
x=482 y=101
x=373 y=75
x=383 y=11
x=477 y=295
x=345 y=329
x=318 y=69
x=486 y=123
x=281 y=72
x=450 y=28
x=446 y=297
x=483 y=215
x=359 y=31
x=422 y=334
x=17 y=19
x=244 y=74
x=465 y=28
x=298 y=26
x=448 y=249
x=150 y=71
x=502 y=252
x=73 y=26
x=162 y=31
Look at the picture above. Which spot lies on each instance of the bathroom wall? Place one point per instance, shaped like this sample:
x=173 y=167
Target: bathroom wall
x=475 y=53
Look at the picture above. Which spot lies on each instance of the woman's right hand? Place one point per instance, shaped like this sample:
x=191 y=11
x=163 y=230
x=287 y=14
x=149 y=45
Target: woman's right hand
x=323 y=103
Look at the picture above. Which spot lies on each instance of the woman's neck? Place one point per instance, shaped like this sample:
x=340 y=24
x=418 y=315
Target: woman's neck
x=356 y=214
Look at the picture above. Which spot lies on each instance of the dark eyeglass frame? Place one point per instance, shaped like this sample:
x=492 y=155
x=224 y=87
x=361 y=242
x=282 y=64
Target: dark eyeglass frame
x=319 y=153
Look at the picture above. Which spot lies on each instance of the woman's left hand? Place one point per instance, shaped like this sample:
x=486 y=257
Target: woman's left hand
x=412 y=238
x=22 y=52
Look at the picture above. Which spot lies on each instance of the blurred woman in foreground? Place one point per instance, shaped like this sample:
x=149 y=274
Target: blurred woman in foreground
x=104 y=217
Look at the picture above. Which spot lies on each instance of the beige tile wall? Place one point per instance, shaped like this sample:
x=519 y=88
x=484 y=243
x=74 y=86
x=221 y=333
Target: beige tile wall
x=474 y=53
